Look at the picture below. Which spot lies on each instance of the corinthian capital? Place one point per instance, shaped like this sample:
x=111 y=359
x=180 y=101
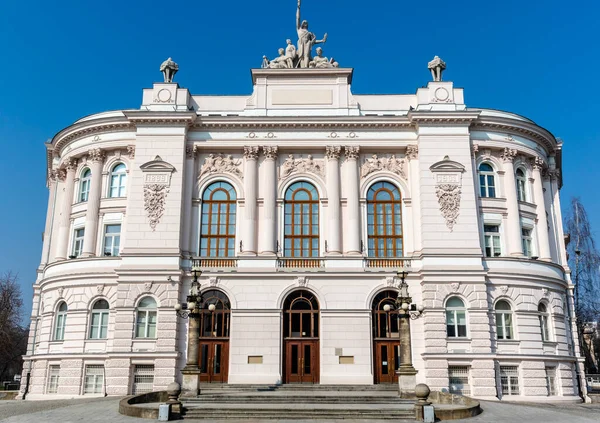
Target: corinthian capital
x=251 y=152
x=352 y=153
x=70 y=164
x=270 y=152
x=508 y=155
x=412 y=152
x=96 y=155
x=332 y=152
x=190 y=151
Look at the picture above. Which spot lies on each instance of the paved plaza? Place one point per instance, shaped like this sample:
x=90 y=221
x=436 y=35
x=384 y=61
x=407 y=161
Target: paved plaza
x=101 y=410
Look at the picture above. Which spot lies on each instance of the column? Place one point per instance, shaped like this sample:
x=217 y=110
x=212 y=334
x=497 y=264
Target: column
x=513 y=223
x=352 y=228
x=96 y=157
x=547 y=185
x=191 y=376
x=267 y=234
x=53 y=178
x=412 y=154
x=407 y=375
x=333 y=201
x=64 y=223
x=542 y=221
x=250 y=182
x=186 y=208
x=555 y=197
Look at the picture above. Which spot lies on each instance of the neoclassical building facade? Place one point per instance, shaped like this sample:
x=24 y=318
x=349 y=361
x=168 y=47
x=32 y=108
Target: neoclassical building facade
x=300 y=204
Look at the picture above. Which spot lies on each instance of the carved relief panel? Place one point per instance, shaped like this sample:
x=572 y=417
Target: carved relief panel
x=157 y=180
x=448 y=184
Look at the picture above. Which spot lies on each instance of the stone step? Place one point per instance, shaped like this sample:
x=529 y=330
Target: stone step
x=296 y=413
x=298 y=399
x=294 y=387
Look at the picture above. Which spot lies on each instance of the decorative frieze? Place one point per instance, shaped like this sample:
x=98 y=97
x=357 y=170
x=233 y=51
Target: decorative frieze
x=96 y=155
x=391 y=164
x=251 y=152
x=270 y=152
x=352 y=153
x=412 y=152
x=332 y=152
x=508 y=155
x=302 y=165
x=221 y=163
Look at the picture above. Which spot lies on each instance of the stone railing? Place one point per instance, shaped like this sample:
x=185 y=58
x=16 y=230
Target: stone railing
x=372 y=263
x=300 y=263
x=214 y=263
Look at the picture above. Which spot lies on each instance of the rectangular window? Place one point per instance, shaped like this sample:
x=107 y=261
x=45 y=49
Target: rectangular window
x=509 y=379
x=526 y=240
x=492 y=240
x=59 y=332
x=458 y=380
x=99 y=325
x=78 y=242
x=112 y=240
x=551 y=381
x=53 y=375
x=456 y=324
x=504 y=325
x=146 y=324
x=94 y=379
x=143 y=379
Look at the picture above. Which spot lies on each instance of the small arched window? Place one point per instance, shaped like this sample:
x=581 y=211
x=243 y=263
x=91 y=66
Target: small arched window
x=521 y=185
x=456 y=318
x=145 y=326
x=99 y=320
x=118 y=180
x=84 y=185
x=504 y=328
x=217 y=234
x=301 y=234
x=543 y=316
x=60 y=322
x=487 y=182
x=384 y=220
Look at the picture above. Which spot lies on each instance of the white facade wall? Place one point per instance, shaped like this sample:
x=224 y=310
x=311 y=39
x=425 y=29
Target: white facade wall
x=165 y=146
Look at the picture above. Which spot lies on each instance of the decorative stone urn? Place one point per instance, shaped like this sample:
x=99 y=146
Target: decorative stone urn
x=173 y=392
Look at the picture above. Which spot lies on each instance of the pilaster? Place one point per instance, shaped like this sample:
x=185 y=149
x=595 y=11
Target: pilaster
x=65 y=213
x=249 y=246
x=513 y=223
x=269 y=222
x=96 y=157
x=334 y=246
x=352 y=225
x=542 y=222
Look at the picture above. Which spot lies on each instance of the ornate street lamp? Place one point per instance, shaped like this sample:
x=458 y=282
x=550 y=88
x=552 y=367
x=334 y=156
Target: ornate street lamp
x=194 y=298
x=404 y=301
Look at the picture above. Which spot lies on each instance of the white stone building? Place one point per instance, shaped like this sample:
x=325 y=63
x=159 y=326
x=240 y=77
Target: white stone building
x=300 y=203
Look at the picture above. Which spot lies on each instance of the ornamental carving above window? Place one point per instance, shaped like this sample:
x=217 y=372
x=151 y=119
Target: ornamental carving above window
x=391 y=164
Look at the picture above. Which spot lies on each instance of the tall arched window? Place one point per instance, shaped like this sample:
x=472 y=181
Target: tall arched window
x=99 y=320
x=301 y=315
x=521 y=185
x=487 y=182
x=215 y=320
x=118 y=180
x=456 y=318
x=384 y=220
x=301 y=235
x=543 y=316
x=59 y=323
x=217 y=235
x=504 y=328
x=84 y=185
x=145 y=326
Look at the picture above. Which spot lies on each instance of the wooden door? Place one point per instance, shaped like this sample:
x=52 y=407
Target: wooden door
x=214 y=361
x=387 y=360
x=301 y=361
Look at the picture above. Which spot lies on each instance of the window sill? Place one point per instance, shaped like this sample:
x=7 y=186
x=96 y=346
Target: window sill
x=458 y=339
x=56 y=341
x=550 y=343
x=147 y=340
x=508 y=341
x=96 y=340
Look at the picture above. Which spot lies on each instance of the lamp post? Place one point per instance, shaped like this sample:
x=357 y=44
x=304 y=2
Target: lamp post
x=407 y=311
x=191 y=311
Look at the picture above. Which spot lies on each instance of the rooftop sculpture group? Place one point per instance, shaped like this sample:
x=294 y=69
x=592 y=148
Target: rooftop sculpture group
x=301 y=57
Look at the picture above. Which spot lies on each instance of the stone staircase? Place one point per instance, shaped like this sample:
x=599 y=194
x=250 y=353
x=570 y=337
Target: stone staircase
x=293 y=402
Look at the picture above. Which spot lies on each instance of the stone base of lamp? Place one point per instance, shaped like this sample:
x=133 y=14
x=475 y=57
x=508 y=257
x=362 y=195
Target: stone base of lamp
x=407 y=381
x=191 y=382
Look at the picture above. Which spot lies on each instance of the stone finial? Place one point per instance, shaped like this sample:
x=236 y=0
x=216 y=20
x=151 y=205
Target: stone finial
x=169 y=68
x=437 y=66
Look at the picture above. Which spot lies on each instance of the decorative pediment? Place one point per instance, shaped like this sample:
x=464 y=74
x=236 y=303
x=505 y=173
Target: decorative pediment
x=447 y=165
x=157 y=165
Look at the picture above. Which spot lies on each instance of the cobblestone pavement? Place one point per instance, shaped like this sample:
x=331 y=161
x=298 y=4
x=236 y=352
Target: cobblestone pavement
x=101 y=410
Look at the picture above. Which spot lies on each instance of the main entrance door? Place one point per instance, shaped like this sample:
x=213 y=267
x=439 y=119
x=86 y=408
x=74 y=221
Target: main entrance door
x=301 y=338
x=215 y=321
x=386 y=339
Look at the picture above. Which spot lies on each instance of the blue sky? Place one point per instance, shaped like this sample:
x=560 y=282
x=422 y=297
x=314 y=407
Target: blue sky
x=64 y=60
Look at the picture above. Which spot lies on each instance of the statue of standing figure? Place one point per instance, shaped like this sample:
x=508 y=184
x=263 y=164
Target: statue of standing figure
x=169 y=68
x=306 y=41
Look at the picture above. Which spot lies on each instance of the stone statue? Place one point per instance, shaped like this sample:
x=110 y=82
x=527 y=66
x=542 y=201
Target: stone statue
x=290 y=53
x=281 y=62
x=436 y=66
x=169 y=68
x=322 y=62
x=306 y=40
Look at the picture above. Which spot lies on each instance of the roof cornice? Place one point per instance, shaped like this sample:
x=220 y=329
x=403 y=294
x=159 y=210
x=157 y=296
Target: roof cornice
x=517 y=127
x=146 y=117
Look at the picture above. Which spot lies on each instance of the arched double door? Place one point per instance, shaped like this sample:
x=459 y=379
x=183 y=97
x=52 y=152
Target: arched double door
x=301 y=338
x=386 y=337
x=215 y=323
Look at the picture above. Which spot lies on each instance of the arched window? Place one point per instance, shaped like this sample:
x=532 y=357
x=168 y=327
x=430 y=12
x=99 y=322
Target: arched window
x=59 y=323
x=504 y=328
x=217 y=235
x=215 y=316
x=301 y=315
x=385 y=315
x=521 y=185
x=301 y=235
x=84 y=185
x=145 y=326
x=543 y=316
x=487 y=183
x=384 y=220
x=99 y=320
x=456 y=318
x=118 y=180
